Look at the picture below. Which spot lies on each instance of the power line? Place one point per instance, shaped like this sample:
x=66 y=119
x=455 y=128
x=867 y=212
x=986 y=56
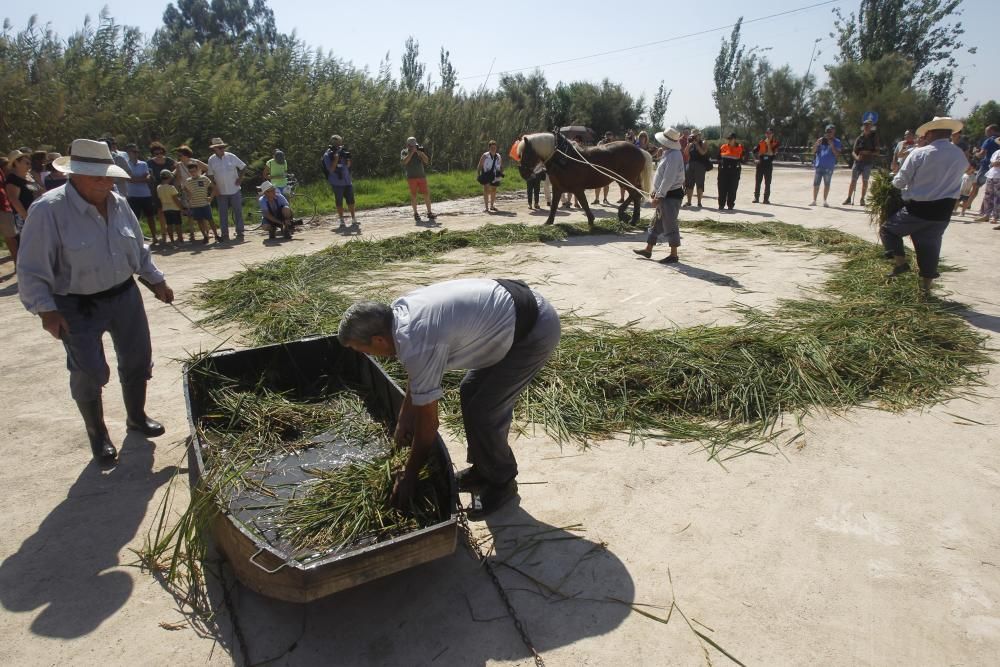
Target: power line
x=661 y=41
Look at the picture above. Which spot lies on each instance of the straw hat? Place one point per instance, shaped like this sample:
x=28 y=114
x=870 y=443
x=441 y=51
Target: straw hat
x=265 y=186
x=669 y=138
x=89 y=158
x=217 y=142
x=941 y=123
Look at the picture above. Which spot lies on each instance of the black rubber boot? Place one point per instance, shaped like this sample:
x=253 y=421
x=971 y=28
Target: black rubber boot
x=135 y=408
x=100 y=443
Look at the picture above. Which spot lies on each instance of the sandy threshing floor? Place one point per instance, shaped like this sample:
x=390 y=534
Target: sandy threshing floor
x=873 y=541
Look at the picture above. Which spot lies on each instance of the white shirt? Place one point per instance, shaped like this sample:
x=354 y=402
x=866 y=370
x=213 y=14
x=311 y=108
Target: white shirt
x=68 y=248
x=669 y=173
x=994 y=170
x=932 y=172
x=224 y=171
x=465 y=324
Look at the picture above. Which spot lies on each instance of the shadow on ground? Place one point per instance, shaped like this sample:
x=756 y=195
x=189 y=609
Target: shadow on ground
x=67 y=568
x=448 y=611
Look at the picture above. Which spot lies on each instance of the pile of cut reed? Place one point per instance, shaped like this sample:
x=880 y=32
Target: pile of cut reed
x=883 y=199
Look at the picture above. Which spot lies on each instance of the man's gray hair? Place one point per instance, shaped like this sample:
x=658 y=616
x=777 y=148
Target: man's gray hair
x=364 y=320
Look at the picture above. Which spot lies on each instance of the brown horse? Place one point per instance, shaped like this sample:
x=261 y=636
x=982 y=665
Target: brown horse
x=575 y=169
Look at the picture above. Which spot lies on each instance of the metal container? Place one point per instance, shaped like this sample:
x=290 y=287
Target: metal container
x=310 y=369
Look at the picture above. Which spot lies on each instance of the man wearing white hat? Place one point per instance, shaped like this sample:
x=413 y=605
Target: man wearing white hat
x=668 y=191
x=930 y=179
x=274 y=210
x=80 y=247
x=226 y=171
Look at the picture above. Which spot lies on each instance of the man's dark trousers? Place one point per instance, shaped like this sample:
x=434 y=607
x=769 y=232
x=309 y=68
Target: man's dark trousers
x=765 y=168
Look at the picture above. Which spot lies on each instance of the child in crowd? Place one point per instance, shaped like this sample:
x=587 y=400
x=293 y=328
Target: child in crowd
x=989 y=209
x=198 y=189
x=170 y=202
x=968 y=181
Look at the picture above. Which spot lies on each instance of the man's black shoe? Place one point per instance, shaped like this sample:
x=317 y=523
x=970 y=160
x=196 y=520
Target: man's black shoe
x=470 y=479
x=490 y=499
x=670 y=259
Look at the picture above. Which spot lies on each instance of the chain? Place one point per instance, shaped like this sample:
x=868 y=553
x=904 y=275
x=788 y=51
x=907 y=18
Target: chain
x=470 y=542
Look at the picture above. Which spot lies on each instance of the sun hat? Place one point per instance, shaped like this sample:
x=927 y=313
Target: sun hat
x=831 y=127
x=53 y=156
x=940 y=123
x=411 y=141
x=217 y=142
x=89 y=158
x=265 y=186
x=16 y=155
x=670 y=138
x=165 y=174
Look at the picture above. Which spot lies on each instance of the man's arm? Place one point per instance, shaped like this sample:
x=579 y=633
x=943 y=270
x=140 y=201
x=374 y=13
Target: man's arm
x=423 y=157
x=905 y=174
x=409 y=156
x=425 y=428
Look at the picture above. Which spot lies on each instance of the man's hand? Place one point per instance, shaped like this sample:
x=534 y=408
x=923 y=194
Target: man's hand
x=403 y=437
x=655 y=201
x=403 y=489
x=163 y=292
x=54 y=323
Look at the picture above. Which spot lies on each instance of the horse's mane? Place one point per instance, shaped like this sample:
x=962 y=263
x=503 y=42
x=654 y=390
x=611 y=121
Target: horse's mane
x=543 y=143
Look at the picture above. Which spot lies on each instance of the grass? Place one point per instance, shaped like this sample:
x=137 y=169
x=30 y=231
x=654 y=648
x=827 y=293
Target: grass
x=857 y=341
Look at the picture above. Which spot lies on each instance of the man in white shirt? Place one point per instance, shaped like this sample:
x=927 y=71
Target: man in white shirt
x=930 y=180
x=501 y=331
x=668 y=192
x=80 y=248
x=226 y=171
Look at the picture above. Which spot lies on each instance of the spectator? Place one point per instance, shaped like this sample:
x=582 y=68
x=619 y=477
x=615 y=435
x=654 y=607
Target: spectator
x=698 y=165
x=866 y=148
x=968 y=181
x=825 y=152
x=668 y=191
x=121 y=160
x=274 y=210
x=198 y=193
x=983 y=154
x=22 y=190
x=157 y=162
x=414 y=159
x=767 y=149
x=730 y=165
x=187 y=167
x=609 y=136
x=990 y=208
x=490 y=171
x=567 y=196
x=170 y=204
x=337 y=162
x=80 y=250
x=930 y=180
x=538 y=176
x=276 y=171
x=226 y=171
x=140 y=196
x=52 y=178
x=903 y=149
x=7 y=228
x=38 y=168
x=960 y=141
x=643 y=142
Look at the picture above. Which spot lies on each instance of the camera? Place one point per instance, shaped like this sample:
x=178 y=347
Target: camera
x=345 y=154
x=825 y=141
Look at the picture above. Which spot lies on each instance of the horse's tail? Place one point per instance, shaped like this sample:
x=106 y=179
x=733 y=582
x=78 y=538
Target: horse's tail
x=647 y=174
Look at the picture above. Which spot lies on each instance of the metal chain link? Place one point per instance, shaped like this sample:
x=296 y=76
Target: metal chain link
x=470 y=542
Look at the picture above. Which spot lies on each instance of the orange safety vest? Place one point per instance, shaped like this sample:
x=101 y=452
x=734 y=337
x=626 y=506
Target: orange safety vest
x=762 y=147
x=731 y=151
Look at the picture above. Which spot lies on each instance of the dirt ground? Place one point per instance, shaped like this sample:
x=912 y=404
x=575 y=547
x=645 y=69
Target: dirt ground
x=872 y=541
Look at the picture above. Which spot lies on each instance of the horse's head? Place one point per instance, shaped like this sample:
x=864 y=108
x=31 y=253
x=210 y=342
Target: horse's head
x=535 y=148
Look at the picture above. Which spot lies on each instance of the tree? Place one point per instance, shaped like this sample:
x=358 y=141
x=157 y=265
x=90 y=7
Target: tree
x=447 y=72
x=411 y=72
x=528 y=93
x=234 y=22
x=727 y=70
x=921 y=31
x=659 y=108
x=981 y=116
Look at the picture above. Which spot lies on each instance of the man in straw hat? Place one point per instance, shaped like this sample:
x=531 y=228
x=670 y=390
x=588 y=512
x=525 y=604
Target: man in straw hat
x=226 y=171
x=79 y=250
x=668 y=191
x=930 y=179
x=274 y=210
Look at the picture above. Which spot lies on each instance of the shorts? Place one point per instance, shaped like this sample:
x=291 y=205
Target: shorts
x=7 y=229
x=863 y=169
x=201 y=212
x=172 y=217
x=142 y=206
x=342 y=192
x=417 y=185
x=824 y=174
x=962 y=198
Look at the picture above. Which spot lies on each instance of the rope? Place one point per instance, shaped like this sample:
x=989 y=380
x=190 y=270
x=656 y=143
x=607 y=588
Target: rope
x=613 y=175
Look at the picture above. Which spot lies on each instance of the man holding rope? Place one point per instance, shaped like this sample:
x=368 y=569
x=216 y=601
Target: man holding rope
x=668 y=192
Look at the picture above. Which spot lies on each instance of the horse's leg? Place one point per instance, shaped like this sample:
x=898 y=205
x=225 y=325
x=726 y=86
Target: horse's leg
x=582 y=196
x=636 y=204
x=623 y=207
x=556 y=198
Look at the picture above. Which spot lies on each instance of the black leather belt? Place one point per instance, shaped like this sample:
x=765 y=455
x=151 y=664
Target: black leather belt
x=85 y=302
x=525 y=307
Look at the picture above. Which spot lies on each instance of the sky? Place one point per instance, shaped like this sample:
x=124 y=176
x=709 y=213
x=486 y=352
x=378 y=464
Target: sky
x=589 y=40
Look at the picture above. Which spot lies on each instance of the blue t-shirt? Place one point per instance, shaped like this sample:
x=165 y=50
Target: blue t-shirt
x=990 y=146
x=140 y=169
x=279 y=203
x=340 y=176
x=825 y=159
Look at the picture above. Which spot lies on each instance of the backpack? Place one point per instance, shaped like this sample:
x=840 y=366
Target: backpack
x=322 y=164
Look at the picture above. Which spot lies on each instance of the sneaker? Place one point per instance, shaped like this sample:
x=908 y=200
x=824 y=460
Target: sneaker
x=826 y=205
x=432 y=216
x=670 y=259
x=416 y=217
x=607 y=203
x=596 y=201
x=644 y=253
x=767 y=201
x=812 y=203
x=342 y=223
x=982 y=218
x=756 y=200
x=847 y=202
x=490 y=499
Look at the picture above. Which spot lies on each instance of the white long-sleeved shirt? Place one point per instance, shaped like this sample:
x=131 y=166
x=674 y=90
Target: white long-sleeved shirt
x=669 y=173
x=932 y=172
x=68 y=248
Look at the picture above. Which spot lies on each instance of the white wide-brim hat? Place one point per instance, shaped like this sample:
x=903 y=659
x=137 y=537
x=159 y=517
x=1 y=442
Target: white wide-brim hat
x=669 y=138
x=265 y=186
x=89 y=158
x=941 y=123
x=217 y=142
